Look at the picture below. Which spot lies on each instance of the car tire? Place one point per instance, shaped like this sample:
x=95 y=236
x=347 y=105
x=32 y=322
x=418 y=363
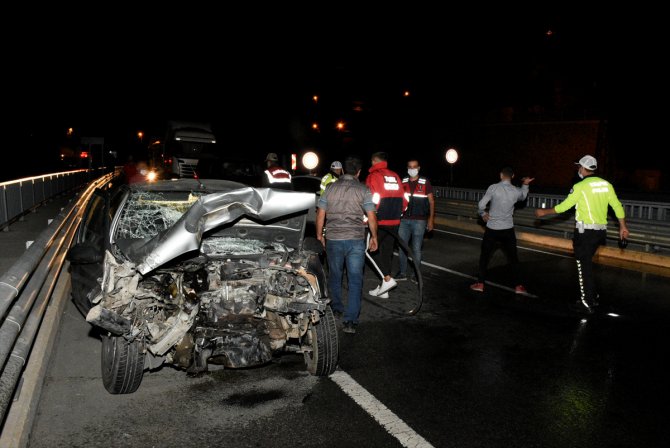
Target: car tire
x=323 y=338
x=122 y=364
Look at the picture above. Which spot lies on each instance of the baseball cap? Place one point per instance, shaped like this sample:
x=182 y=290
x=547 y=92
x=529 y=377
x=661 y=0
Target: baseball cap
x=272 y=157
x=336 y=165
x=588 y=162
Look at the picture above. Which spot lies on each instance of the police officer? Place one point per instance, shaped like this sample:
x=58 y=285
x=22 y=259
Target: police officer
x=419 y=216
x=334 y=174
x=275 y=176
x=591 y=197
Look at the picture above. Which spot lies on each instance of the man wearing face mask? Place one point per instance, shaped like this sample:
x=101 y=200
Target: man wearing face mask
x=418 y=218
x=591 y=197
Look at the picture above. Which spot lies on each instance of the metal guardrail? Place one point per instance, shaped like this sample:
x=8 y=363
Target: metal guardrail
x=645 y=235
x=26 y=288
x=643 y=210
x=22 y=195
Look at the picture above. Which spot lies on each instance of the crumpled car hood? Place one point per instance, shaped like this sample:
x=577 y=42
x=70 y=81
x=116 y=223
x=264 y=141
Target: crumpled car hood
x=214 y=210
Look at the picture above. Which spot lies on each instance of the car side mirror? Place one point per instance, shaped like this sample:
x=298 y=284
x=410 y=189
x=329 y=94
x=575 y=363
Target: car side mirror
x=84 y=253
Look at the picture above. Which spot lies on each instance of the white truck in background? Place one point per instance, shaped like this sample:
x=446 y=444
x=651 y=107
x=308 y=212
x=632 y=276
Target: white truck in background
x=190 y=150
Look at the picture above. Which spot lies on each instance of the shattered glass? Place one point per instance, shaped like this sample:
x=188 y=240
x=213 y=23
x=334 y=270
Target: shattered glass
x=148 y=213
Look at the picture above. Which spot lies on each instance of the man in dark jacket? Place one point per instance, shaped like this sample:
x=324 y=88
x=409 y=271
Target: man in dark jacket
x=419 y=216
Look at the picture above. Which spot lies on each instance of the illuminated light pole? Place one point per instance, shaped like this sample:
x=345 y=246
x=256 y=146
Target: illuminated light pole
x=140 y=134
x=310 y=161
x=452 y=157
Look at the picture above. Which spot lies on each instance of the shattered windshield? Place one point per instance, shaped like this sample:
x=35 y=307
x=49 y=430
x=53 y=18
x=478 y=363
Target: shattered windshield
x=147 y=213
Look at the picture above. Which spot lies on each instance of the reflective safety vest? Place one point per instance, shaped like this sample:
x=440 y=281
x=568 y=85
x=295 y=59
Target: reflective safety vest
x=591 y=197
x=419 y=205
x=277 y=177
x=387 y=194
x=327 y=179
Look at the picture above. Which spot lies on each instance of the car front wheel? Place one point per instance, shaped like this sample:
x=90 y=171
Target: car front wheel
x=122 y=364
x=324 y=342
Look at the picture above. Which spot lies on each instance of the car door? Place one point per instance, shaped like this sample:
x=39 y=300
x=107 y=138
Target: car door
x=88 y=251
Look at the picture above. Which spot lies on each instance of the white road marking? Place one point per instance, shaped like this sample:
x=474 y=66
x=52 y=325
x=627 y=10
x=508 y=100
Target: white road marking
x=461 y=274
x=376 y=409
x=530 y=249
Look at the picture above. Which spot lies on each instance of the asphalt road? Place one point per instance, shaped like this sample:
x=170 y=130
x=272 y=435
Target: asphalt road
x=469 y=369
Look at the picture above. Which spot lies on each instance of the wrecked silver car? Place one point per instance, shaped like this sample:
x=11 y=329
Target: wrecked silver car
x=193 y=273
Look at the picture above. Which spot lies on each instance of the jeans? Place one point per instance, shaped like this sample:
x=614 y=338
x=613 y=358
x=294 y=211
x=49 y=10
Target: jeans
x=351 y=253
x=411 y=229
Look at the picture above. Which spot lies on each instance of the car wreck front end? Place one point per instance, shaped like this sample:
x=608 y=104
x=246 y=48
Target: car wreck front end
x=226 y=278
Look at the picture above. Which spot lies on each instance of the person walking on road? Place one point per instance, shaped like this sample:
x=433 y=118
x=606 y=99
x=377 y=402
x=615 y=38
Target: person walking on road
x=334 y=174
x=418 y=218
x=389 y=197
x=346 y=203
x=500 y=199
x=591 y=197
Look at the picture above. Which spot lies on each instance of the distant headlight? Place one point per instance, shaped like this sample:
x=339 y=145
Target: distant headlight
x=152 y=176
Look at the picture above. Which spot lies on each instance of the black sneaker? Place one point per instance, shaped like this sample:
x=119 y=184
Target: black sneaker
x=349 y=327
x=400 y=276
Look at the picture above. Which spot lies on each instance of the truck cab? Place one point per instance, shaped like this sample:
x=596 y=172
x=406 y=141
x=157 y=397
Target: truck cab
x=190 y=150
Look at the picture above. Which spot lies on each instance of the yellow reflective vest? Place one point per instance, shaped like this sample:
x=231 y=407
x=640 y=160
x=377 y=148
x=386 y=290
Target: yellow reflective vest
x=591 y=197
x=325 y=180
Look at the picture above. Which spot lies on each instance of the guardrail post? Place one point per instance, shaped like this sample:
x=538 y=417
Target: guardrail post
x=6 y=210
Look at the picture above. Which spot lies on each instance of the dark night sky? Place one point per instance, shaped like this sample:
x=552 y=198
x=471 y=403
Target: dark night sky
x=253 y=77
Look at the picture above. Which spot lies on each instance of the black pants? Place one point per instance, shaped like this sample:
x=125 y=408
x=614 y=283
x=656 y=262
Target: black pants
x=507 y=240
x=384 y=255
x=585 y=246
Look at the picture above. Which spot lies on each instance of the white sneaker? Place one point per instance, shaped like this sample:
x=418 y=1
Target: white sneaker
x=375 y=293
x=386 y=286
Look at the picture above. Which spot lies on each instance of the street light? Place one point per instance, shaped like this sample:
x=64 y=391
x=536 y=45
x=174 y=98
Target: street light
x=140 y=134
x=452 y=157
x=310 y=160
